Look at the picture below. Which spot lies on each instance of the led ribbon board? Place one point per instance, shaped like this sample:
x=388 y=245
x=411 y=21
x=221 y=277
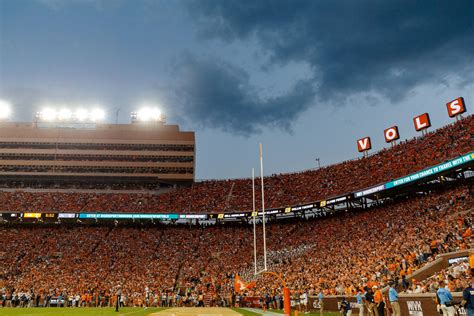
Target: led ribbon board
x=127 y=216
x=431 y=171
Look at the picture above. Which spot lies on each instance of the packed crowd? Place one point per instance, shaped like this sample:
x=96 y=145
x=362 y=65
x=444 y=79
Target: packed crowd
x=455 y=276
x=194 y=264
x=365 y=250
x=281 y=190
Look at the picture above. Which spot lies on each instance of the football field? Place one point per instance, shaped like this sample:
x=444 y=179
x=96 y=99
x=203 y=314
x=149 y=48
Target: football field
x=198 y=311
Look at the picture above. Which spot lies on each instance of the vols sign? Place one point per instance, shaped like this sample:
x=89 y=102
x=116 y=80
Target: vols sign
x=456 y=107
x=422 y=122
x=391 y=134
x=364 y=144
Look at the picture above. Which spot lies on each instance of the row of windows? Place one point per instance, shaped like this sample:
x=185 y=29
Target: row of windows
x=90 y=146
x=61 y=157
x=97 y=169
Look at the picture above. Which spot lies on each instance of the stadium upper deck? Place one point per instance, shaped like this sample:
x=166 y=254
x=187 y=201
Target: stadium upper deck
x=148 y=154
x=281 y=190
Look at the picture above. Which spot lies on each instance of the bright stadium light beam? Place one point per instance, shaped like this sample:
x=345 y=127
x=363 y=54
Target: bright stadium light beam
x=65 y=114
x=5 y=109
x=143 y=114
x=149 y=114
x=81 y=114
x=156 y=114
x=49 y=114
x=97 y=115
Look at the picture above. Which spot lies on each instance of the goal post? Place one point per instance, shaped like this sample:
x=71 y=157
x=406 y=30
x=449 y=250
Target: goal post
x=255 y=215
x=263 y=211
x=286 y=291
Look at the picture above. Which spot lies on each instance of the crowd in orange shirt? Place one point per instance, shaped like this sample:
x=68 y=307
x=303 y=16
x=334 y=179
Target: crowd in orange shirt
x=455 y=277
x=337 y=254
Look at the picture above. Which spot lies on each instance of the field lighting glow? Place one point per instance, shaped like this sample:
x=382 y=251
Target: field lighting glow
x=81 y=114
x=49 y=114
x=149 y=114
x=5 y=109
x=97 y=114
x=65 y=114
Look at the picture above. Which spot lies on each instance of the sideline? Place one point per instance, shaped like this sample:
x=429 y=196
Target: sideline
x=260 y=312
x=196 y=311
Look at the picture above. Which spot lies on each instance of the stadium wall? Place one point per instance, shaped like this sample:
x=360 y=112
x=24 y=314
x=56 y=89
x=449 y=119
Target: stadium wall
x=410 y=304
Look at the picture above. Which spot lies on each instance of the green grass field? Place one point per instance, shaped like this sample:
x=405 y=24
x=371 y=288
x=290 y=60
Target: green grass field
x=311 y=314
x=244 y=312
x=247 y=313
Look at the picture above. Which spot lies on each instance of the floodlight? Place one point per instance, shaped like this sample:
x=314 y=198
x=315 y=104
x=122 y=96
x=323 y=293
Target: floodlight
x=156 y=114
x=81 y=114
x=65 y=114
x=97 y=114
x=149 y=114
x=143 y=114
x=5 y=109
x=48 y=114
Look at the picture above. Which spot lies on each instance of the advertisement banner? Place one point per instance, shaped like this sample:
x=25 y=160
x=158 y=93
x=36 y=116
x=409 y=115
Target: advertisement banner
x=127 y=216
x=431 y=171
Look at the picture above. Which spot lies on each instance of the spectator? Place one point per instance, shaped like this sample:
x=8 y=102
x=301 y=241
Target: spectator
x=393 y=298
x=445 y=300
x=468 y=298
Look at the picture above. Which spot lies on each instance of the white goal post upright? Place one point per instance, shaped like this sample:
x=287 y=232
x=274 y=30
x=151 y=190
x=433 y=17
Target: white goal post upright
x=254 y=220
x=263 y=217
x=263 y=213
x=286 y=291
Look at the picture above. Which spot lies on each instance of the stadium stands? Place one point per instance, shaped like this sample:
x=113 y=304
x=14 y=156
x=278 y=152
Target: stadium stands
x=337 y=254
x=281 y=190
x=455 y=276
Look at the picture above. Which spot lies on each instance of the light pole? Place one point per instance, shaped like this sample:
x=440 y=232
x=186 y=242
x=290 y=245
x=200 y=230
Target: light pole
x=319 y=163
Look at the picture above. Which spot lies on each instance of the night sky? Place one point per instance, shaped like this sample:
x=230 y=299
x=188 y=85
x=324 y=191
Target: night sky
x=306 y=78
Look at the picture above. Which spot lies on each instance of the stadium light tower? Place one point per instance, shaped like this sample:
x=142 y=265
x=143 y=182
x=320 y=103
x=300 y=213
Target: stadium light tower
x=66 y=115
x=5 y=109
x=148 y=114
x=47 y=114
x=81 y=114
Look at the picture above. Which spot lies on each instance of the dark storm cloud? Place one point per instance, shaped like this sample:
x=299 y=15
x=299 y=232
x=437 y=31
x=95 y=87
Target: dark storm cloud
x=380 y=47
x=218 y=94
